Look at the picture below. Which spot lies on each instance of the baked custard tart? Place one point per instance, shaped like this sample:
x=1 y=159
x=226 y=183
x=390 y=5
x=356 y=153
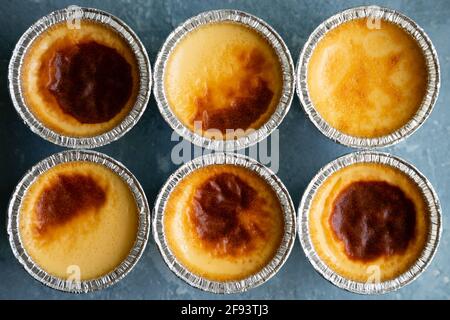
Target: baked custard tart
x=367 y=81
x=223 y=75
x=370 y=222
x=224 y=80
x=80 y=82
x=223 y=223
x=78 y=221
x=80 y=77
x=368 y=77
x=368 y=215
x=78 y=213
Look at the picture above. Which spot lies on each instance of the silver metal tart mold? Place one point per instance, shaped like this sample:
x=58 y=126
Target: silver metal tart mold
x=67 y=285
x=230 y=286
x=434 y=233
x=66 y=16
x=287 y=67
x=432 y=88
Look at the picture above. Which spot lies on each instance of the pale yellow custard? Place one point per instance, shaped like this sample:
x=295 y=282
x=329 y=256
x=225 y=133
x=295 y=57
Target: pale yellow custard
x=367 y=81
x=78 y=216
x=223 y=223
x=223 y=76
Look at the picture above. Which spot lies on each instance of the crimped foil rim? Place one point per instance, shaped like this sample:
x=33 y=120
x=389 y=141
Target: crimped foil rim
x=231 y=286
x=263 y=29
x=16 y=62
x=432 y=63
x=14 y=211
x=434 y=234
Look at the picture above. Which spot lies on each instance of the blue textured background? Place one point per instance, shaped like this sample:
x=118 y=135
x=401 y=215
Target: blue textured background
x=146 y=148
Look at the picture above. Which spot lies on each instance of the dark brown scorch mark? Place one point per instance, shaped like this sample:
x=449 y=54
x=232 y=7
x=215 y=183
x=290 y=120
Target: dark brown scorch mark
x=219 y=206
x=67 y=197
x=373 y=218
x=90 y=81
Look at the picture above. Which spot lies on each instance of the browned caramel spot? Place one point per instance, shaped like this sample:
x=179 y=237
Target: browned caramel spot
x=373 y=218
x=224 y=214
x=90 y=81
x=66 y=197
x=245 y=106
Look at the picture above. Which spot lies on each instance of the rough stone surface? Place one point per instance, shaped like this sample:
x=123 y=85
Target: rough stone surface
x=146 y=148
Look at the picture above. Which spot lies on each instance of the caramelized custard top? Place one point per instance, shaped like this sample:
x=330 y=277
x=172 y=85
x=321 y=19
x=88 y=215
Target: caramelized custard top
x=224 y=75
x=68 y=196
x=90 y=81
x=227 y=214
x=365 y=80
x=373 y=219
x=246 y=104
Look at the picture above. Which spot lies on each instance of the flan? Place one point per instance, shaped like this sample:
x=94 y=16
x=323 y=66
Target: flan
x=80 y=82
x=223 y=76
x=369 y=222
x=367 y=80
x=223 y=222
x=78 y=217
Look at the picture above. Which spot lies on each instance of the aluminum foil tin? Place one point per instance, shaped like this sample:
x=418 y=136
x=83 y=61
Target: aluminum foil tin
x=432 y=63
x=84 y=286
x=263 y=29
x=65 y=15
x=231 y=286
x=434 y=233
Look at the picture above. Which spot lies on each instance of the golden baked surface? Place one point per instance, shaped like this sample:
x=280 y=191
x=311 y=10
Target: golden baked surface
x=225 y=75
x=81 y=214
x=80 y=82
x=367 y=218
x=367 y=82
x=223 y=222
